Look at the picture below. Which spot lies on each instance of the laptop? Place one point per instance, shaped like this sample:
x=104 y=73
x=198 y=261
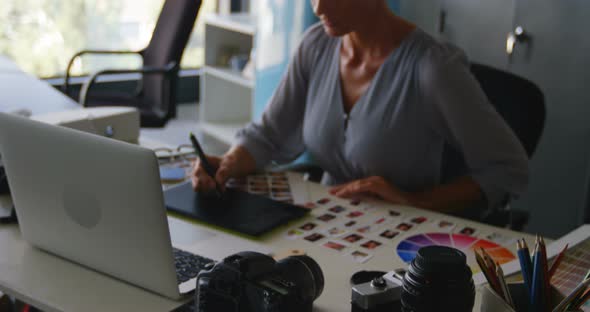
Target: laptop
x=95 y=201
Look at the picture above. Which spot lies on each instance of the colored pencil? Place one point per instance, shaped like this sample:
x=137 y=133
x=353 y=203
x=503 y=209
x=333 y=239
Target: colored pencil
x=488 y=274
x=489 y=262
x=505 y=290
x=581 y=298
x=525 y=249
x=585 y=297
x=557 y=261
x=488 y=259
x=483 y=267
x=525 y=264
x=538 y=282
x=546 y=290
x=572 y=296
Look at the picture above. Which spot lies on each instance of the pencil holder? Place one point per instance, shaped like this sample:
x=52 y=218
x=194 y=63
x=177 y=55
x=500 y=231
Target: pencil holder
x=492 y=302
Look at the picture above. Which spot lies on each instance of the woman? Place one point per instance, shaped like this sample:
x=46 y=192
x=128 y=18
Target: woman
x=373 y=99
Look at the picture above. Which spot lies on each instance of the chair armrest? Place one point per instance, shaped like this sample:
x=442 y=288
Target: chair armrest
x=146 y=70
x=66 y=86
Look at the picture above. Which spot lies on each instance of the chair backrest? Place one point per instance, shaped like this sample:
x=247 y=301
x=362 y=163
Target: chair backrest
x=520 y=102
x=173 y=29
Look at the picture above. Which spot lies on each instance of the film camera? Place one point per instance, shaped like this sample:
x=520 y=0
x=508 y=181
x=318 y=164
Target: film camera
x=250 y=281
x=438 y=279
x=377 y=291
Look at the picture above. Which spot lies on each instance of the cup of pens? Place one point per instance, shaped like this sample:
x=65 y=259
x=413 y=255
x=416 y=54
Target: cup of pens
x=535 y=293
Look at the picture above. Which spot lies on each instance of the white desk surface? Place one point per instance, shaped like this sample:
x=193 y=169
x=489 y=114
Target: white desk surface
x=19 y=90
x=55 y=284
x=8 y=66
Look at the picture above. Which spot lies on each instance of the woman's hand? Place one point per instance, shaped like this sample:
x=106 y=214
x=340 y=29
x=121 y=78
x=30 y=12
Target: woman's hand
x=201 y=181
x=374 y=186
x=236 y=163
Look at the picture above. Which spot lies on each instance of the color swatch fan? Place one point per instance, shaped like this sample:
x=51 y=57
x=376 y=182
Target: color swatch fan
x=408 y=248
x=573 y=268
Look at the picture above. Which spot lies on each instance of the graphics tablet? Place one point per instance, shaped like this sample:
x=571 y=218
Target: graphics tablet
x=237 y=210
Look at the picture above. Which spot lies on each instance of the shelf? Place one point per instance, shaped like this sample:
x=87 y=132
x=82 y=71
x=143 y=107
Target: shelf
x=231 y=75
x=240 y=22
x=225 y=132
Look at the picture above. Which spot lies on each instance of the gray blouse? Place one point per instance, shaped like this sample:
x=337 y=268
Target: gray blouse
x=422 y=97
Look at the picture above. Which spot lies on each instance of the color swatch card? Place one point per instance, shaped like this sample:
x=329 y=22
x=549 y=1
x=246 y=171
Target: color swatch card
x=408 y=248
x=572 y=269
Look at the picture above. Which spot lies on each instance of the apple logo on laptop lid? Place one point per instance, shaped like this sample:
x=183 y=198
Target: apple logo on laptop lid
x=81 y=206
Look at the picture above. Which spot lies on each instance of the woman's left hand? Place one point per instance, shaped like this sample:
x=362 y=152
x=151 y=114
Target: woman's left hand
x=375 y=186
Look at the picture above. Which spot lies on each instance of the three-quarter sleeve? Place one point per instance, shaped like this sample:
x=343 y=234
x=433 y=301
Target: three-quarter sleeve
x=278 y=135
x=462 y=114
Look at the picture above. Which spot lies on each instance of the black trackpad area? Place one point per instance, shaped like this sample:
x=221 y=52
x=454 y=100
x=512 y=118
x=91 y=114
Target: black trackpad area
x=235 y=210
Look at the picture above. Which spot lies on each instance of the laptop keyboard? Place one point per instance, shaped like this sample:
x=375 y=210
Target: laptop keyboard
x=188 y=265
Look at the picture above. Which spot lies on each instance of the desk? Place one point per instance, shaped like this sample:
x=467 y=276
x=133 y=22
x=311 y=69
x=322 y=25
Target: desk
x=19 y=90
x=55 y=284
x=7 y=65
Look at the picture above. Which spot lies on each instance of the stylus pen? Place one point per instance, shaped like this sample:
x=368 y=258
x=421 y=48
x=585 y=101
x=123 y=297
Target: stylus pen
x=206 y=165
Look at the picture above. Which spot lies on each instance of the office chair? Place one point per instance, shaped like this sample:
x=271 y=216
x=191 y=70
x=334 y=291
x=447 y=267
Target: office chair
x=522 y=105
x=155 y=95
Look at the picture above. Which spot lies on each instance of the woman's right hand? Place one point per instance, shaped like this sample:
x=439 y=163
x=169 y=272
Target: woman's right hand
x=236 y=163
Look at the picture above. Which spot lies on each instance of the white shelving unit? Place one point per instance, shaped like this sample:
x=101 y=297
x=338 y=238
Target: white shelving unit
x=226 y=95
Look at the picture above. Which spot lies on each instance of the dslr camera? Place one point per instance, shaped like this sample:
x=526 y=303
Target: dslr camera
x=254 y=282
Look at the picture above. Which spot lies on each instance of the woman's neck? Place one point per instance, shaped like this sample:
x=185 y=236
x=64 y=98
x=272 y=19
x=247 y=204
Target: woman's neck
x=377 y=37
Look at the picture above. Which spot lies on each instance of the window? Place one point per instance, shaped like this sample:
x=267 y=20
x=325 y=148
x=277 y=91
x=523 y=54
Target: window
x=42 y=35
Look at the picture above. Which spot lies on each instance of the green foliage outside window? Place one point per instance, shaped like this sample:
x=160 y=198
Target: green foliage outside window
x=42 y=35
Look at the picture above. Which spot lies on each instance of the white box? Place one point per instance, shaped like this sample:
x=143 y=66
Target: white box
x=120 y=123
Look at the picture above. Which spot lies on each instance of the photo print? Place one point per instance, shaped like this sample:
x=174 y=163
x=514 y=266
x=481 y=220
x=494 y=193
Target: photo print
x=372 y=244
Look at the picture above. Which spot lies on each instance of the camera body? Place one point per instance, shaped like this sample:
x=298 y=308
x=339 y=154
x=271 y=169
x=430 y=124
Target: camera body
x=381 y=293
x=254 y=282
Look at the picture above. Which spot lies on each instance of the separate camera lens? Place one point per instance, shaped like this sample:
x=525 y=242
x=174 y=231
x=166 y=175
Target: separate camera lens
x=303 y=271
x=438 y=279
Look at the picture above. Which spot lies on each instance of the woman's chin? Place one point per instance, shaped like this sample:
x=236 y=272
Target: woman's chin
x=333 y=32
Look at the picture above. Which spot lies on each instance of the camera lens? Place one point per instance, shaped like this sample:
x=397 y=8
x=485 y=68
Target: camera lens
x=303 y=271
x=438 y=279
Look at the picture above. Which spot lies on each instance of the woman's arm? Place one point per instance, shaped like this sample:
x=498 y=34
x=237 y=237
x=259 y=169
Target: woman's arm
x=452 y=197
x=278 y=135
x=455 y=196
x=460 y=112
